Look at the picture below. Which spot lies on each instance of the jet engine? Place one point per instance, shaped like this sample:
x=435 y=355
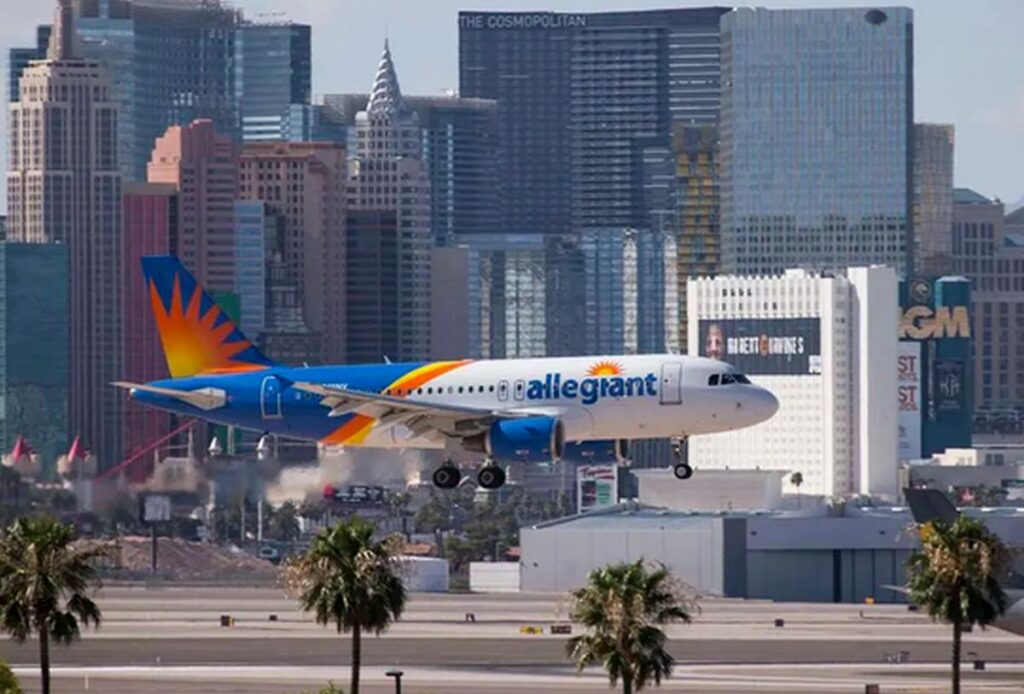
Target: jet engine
x=525 y=440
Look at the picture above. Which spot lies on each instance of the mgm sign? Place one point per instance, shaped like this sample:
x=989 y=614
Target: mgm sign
x=926 y=323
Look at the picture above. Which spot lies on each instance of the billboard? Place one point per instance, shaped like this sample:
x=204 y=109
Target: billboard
x=908 y=373
x=597 y=486
x=764 y=346
x=356 y=494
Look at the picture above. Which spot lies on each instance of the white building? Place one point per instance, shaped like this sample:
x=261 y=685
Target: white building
x=826 y=346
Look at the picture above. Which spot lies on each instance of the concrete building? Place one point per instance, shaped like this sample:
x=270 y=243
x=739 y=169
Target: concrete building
x=19 y=58
x=582 y=97
x=34 y=357
x=170 y=63
x=303 y=185
x=993 y=261
x=150 y=217
x=273 y=72
x=766 y=556
x=712 y=490
x=389 y=237
x=202 y=165
x=461 y=151
x=807 y=179
x=933 y=199
x=70 y=193
x=817 y=342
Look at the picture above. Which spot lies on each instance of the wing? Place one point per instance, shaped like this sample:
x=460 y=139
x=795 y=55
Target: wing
x=420 y=418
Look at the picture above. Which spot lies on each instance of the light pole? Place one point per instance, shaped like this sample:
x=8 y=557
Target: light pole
x=397 y=674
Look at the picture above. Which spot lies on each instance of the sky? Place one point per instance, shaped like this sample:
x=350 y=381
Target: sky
x=969 y=60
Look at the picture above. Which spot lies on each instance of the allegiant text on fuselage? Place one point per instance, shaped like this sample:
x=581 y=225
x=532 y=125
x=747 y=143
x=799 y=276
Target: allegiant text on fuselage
x=590 y=390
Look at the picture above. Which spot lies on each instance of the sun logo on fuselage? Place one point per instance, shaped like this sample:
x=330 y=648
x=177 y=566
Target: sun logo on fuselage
x=605 y=368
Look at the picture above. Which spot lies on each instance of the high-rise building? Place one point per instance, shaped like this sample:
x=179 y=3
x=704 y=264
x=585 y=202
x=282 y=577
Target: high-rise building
x=150 y=224
x=171 y=62
x=19 y=58
x=34 y=357
x=581 y=96
x=933 y=199
x=202 y=165
x=302 y=186
x=254 y=222
x=700 y=206
x=69 y=192
x=461 y=151
x=619 y=286
x=273 y=72
x=816 y=342
x=388 y=243
x=993 y=260
x=816 y=139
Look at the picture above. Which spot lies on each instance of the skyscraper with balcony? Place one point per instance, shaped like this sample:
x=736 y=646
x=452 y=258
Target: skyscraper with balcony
x=388 y=237
x=273 y=71
x=582 y=98
x=67 y=190
x=816 y=139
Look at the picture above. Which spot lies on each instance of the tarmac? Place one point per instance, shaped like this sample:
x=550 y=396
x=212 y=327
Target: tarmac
x=170 y=639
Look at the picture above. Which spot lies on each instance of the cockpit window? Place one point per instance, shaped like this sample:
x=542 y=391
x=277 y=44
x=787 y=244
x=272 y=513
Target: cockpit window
x=727 y=379
x=741 y=378
x=713 y=380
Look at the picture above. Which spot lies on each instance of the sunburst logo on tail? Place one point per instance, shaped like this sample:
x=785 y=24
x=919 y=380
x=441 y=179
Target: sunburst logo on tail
x=197 y=336
x=605 y=368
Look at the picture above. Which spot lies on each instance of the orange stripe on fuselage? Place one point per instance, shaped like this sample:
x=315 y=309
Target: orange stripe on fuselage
x=355 y=431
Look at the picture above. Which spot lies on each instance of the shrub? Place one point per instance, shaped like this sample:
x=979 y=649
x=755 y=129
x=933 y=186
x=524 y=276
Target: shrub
x=8 y=682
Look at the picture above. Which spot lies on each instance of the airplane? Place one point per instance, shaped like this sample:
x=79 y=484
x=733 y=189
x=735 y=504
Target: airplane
x=931 y=504
x=571 y=409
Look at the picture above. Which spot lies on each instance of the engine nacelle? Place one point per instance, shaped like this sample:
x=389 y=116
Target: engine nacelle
x=613 y=451
x=526 y=440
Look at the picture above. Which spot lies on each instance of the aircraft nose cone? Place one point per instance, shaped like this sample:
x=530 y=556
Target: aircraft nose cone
x=765 y=404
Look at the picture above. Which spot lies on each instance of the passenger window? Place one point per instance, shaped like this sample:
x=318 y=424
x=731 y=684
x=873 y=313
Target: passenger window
x=713 y=380
x=492 y=388
x=460 y=390
x=727 y=379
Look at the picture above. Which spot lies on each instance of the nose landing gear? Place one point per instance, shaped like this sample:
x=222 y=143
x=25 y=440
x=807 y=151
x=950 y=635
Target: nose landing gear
x=681 y=469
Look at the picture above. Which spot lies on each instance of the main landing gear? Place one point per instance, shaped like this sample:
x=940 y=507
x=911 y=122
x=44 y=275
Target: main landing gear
x=447 y=476
x=681 y=469
x=490 y=477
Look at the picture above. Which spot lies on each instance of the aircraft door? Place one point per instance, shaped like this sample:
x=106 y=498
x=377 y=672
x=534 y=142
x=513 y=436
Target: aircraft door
x=519 y=391
x=503 y=391
x=270 y=398
x=672 y=384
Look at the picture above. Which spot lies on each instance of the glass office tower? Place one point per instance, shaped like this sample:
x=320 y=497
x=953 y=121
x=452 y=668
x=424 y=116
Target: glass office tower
x=581 y=96
x=816 y=139
x=273 y=70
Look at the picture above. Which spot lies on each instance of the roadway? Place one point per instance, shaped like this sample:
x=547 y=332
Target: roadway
x=169 y=639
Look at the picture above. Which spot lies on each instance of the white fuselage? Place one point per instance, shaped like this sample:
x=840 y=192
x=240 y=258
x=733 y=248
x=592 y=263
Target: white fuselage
x=598 y=398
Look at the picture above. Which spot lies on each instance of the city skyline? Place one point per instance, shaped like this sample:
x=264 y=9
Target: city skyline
x=988 y=113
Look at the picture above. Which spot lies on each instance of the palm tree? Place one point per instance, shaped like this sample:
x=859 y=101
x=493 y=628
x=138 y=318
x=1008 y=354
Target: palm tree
x=623 y=607
x=46 y=585
x=797 y=480
x=956 y=576
x=351 y=580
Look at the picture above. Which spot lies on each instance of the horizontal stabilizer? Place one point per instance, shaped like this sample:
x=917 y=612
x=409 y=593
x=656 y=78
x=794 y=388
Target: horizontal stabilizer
x=205 y=399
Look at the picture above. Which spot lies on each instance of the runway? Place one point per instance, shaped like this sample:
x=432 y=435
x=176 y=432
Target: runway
x=162 y=639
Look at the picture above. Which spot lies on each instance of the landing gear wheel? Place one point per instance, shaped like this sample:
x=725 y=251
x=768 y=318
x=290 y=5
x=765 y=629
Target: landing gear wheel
x=682 y=471
x=491 y=477
x=447 y=477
